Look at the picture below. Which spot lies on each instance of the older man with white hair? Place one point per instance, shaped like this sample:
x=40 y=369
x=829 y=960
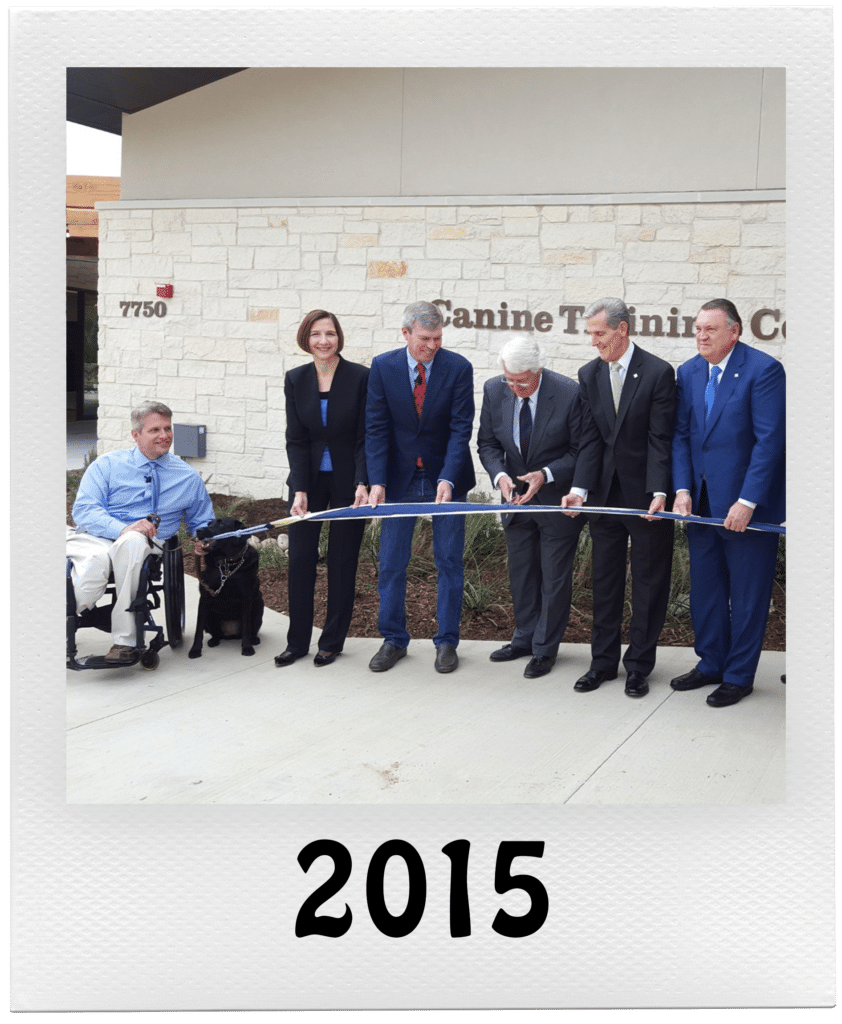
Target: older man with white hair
x=528 y=441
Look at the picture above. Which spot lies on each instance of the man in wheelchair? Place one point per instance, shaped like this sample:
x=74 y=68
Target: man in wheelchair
x=117 y=493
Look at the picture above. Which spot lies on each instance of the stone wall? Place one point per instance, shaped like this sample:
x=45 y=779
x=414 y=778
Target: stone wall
x=244 y=276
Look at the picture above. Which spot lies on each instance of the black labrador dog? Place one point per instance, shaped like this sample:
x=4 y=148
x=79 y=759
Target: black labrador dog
x=230 y=602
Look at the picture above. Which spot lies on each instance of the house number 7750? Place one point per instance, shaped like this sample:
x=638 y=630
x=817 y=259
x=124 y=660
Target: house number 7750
x=149 y=308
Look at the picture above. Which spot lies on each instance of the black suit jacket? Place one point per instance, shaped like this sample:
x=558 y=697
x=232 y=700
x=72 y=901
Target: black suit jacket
x=555 y=434
x=344 y=434
x=635 y=442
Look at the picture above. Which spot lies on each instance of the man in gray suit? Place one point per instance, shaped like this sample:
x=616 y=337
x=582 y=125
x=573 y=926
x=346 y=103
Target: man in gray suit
x=528 y=440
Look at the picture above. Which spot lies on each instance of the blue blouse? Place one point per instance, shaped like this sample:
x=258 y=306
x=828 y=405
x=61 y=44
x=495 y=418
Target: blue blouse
x=325 y=466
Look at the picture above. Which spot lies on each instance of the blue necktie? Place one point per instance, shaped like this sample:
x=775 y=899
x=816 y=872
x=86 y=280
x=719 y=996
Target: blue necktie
x=152 y=473
x=710 y=390
x=525 y=427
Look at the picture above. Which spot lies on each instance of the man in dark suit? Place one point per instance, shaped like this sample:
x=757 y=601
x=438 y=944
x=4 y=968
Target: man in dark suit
x=529 y=433
x=729 y=463
x=628 y=413
x=419 y=416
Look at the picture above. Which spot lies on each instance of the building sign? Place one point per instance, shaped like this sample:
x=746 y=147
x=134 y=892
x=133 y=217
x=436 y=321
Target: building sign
x=765 y=324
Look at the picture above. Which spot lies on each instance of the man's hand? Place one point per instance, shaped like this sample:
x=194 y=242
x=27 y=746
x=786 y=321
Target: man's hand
x=507 y=487
x=535 y=481
x=142 y=526
x=360 y=496
x=572 y=501
x=299 y=504
x=738 y=518
x=658 y=505
x=683 y=504
x=444 y=492
x=376 y=495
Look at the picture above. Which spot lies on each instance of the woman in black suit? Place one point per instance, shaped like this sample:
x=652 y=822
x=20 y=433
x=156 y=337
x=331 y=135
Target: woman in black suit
x=325 y=442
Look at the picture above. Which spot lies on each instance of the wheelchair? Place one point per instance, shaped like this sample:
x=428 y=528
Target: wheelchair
x=162 y=573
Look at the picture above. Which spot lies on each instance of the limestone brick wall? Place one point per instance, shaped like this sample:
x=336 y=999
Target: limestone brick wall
x=243 y=277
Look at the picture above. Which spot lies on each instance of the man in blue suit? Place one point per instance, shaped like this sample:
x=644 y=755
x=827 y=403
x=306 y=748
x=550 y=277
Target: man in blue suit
x=419 y=416
x=729 y=462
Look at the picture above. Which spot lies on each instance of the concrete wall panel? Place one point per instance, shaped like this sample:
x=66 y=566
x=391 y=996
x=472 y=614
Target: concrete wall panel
x=364 y=132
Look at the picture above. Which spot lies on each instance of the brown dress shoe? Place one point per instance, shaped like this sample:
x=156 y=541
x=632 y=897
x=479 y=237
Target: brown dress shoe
x=121 y=655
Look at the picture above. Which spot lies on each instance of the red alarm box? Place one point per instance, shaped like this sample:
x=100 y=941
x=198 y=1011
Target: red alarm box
x=163 y=291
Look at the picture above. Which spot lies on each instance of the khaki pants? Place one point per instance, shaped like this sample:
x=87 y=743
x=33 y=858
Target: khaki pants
x=94 y=558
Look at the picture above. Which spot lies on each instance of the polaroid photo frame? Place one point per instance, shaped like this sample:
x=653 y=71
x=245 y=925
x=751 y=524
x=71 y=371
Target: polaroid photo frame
x=194 y=907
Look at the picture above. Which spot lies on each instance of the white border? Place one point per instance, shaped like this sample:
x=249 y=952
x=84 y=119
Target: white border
x=188 y=908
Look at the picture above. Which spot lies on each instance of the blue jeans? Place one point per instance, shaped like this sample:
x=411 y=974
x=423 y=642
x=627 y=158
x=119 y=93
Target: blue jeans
x=395 y=550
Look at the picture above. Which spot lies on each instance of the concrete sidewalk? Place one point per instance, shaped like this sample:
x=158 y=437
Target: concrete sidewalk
x=224 y=729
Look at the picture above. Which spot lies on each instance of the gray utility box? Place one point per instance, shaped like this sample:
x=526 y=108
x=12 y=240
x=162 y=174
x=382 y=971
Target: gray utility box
x=189 y=441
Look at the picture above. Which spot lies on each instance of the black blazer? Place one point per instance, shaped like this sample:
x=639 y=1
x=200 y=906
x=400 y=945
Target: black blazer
x=636 y=441
x=306 y=437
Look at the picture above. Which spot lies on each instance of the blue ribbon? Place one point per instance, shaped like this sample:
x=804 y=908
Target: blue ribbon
x=458 y=508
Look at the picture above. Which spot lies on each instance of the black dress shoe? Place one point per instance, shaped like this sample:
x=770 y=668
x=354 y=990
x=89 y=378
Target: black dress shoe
x=386 y=658
x=728 y=693
x=509 y=653
x=783 y=679
x=540 y=665
x=592 y=680
x=287 y=658
x=636 y=685
x=326 y=657
x=446 y=658
x=693 y=680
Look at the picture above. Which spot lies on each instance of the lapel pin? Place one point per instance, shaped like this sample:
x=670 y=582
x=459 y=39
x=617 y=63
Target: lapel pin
x=634 y=375
x=736 y=375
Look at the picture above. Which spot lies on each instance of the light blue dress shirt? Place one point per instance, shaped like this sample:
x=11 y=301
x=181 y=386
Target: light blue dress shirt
x=413 y=371
x=117 y=490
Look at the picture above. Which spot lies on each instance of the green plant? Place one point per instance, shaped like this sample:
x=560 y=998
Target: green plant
x=479 y=596
x=324 y=537
x=272 y=557
x=370 y=547
x=74 y=478
x=679 y=599
x=231 y=507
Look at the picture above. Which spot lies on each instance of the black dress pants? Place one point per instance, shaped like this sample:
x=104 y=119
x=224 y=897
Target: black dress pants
x=343 y=551
x=651 y=568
